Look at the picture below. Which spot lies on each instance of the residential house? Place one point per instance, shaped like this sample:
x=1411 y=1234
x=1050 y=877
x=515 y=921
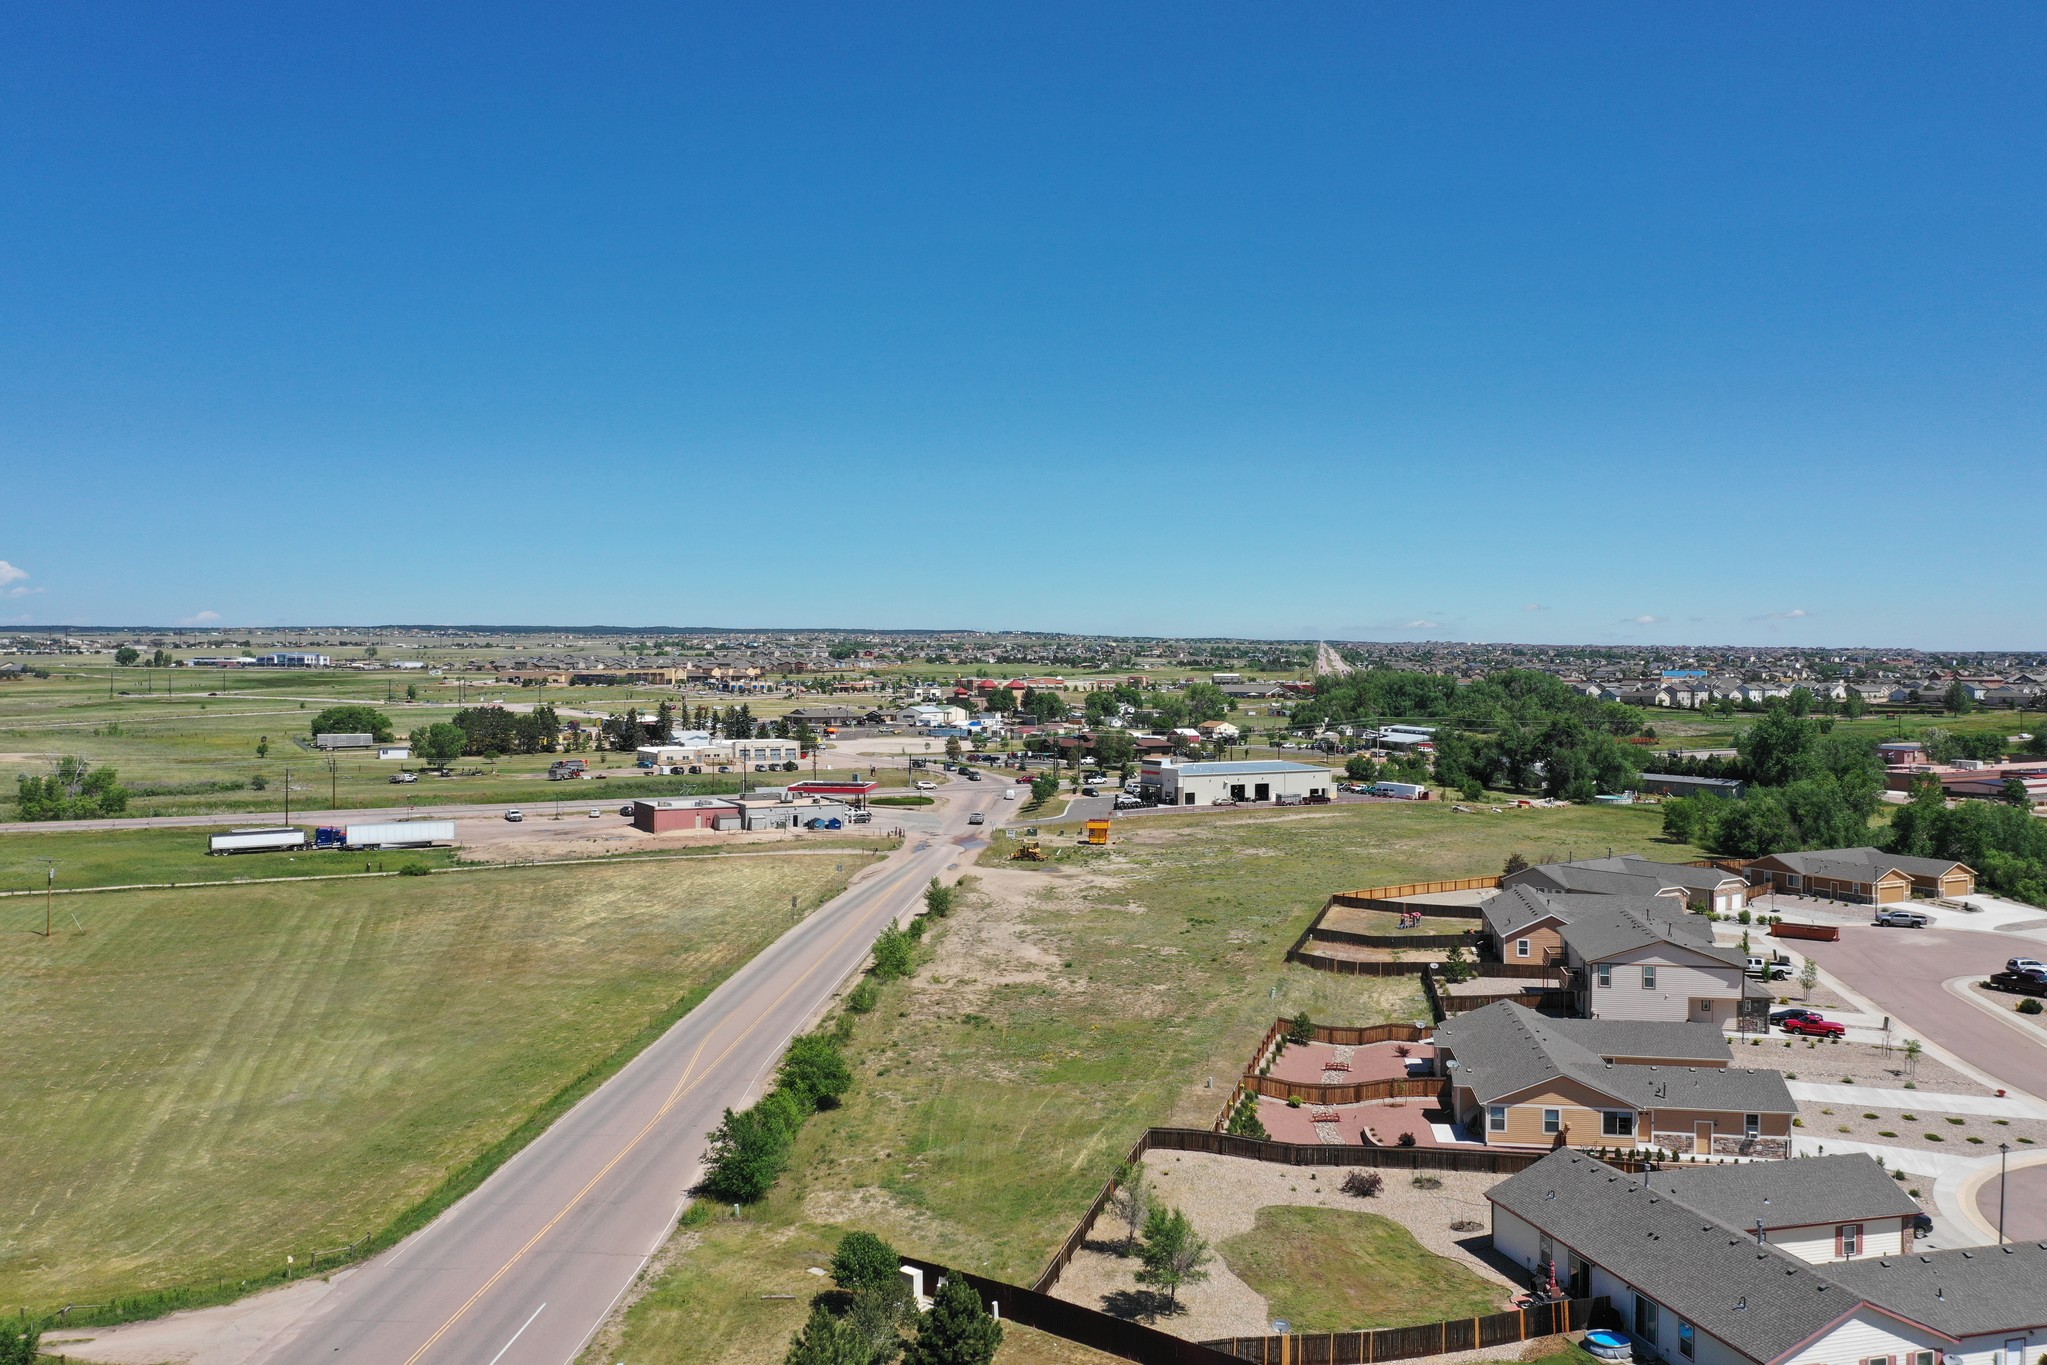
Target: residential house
x=1864 y=876
x=1627 y=957
x=1704 y=888
x=1694 y=1286
x=1518 y=1078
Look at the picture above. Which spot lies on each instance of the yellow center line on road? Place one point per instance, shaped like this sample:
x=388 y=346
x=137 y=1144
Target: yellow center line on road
x=683 y=1086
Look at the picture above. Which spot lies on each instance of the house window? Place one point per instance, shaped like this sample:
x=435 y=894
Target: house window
x=1752 y=1125
x=1686 y=1342
x=1922 y=1358
x=1645 y=1318
x=1617 y=1123
x=1848 y=1240
x=1496 y=1118
x=1878 y=1360
x=1521 y=947
x=1648 y=978
x=1792 y=880
x=1605 y=974
x=1552 y=1120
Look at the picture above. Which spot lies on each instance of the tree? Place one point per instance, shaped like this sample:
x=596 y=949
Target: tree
x=2016 y=794
x=262 y=746
x=126 y=655
x=938 y=899
x=1116 y=749
x=863 y=1261
x=1457 y=967
x=1245 y=1123
x=1205 y=701
x=892 y=954
x=1808 y=977
x=1133 y=1202
x=369 y=651
x=952 y=748
x=412 y=691
x=1957 y=701
x=354 y=720
x=1515 y=863
x=73 y=790
x=1173 y=1254
x=1003 y=701
x=1358 y=768
x=1854 y=705
x=439 y=744
x=1300 y=1029
x=1044 y=786
x=828 y=1340
x=748 y=1153
x=957 y=1330
x=20 y=1342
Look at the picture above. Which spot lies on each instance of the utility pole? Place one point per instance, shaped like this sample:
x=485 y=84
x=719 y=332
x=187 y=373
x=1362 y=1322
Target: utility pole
x=287 y=796
x=50 y=885
x=333 y=783
x=2003 y=1158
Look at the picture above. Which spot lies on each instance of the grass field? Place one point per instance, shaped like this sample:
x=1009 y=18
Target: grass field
x=132 y=856
x=1063 y=1008
x=1341 y=1270
x=203 y=1082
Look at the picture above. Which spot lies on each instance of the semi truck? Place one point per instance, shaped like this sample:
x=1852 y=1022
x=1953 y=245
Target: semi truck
x=271 y=839
x=388 y=834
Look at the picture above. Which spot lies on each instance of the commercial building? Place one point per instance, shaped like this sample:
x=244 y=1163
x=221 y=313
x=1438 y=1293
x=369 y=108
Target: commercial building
x=344 y=741
x=751 y=755
x=854 y=789
x=1175 y=783
x=785 y=812
x=293 y=658
x=1675 y=784
x=1782 y=1264
x=686 y=812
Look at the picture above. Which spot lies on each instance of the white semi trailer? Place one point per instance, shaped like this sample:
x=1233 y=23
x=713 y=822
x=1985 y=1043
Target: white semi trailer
x=276 y=839
x=390 y=834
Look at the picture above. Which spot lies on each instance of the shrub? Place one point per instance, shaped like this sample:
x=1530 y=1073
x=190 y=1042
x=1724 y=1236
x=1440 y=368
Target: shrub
x=1245 y=1123
x=415 y=870
x=892 y=953
x=815 y=1071
x=1406 y=1140
x=1426 y=1182
x=1744 y=917
x=864 y=997
x=2031 y=1005
x=1300 y=1029
x=1293 y=1101
x=938 y=899
x=748 y=1153
x=1364 y=1184
x=1956 y=1121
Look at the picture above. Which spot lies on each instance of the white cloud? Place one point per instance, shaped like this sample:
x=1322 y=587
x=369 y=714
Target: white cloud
x=1535 y=606
x=10 y=573
x=1645 y=620
x=1421 y=625
x=200 y=618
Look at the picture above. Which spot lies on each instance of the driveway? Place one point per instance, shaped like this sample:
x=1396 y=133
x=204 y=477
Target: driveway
x=1904 y=971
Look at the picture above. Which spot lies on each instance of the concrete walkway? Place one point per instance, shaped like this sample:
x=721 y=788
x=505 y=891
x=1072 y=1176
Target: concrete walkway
x=1938 y=1164
x=1934 y=1101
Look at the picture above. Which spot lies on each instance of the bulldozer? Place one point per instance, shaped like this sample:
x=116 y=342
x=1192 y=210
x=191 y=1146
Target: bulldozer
x=1029 y=853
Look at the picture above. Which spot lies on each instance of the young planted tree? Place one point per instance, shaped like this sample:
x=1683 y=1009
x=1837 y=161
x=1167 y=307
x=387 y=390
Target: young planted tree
x=826 y=1339
x=1808 y=977
x=1173 y=1254
x=957 y=1330
x=864 y=1261
x=1133 y=1202
x=938 y=899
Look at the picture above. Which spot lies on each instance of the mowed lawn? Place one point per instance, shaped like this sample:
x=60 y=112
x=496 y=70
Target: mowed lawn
x=132 y=857
x=1342 y=1270
x=206 y=1081
x=1064 y=1008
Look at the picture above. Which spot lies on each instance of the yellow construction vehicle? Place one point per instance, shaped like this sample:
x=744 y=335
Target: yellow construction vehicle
x=1029 y=853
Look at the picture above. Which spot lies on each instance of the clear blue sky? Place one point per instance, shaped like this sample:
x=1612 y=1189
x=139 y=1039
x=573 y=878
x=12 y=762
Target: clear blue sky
x=1551 y=322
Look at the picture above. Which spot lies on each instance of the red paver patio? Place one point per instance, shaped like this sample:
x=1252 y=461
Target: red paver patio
x=1387 y=1120
x=1372 y=1062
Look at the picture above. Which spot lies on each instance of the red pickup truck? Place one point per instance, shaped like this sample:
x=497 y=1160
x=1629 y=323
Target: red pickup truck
x=1812 y=1026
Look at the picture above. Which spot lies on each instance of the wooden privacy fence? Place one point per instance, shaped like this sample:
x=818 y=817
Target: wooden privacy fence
x=1074 y=1322
x=1405 y=1343
x=1373 y=896
x=1369 y=1033
x=1395 y=940
x=1343 y=1092
x=1350 y=966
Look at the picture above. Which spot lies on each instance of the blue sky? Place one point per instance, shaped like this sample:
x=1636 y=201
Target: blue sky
x=1573 y=323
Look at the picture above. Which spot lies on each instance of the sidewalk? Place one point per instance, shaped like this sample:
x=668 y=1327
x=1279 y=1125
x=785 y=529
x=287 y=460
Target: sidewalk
x=1933 y=1101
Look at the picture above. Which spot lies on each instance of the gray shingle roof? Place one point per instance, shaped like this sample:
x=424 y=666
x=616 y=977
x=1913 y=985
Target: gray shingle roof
x=1802 y=1193
x=1961 y=1292
x=1613 y=924
x=1517 y=907
x=1757 y=1299
x=1863 y=864
x=1627 y=875
x=1506 y=1048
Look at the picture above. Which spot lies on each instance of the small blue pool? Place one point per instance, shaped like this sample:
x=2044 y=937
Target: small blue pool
x=1609 y=1345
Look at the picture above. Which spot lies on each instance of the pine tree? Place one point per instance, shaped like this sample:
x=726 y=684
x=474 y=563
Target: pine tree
x=957 y=1330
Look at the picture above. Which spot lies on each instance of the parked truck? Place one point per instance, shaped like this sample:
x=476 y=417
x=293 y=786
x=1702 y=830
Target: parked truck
x=389 y=834
x=272 y=839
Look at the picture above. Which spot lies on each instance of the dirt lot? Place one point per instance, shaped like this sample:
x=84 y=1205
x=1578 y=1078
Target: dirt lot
x=540 y=836
x=1808 y=1059
x=1222 y=1197
x=1927 y=1130
x=1354 y=920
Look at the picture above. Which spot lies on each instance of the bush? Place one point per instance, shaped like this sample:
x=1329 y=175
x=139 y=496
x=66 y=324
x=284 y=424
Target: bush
x=354 y=720
x=1406 y=1140
x=1364 y=1184
x=892 y=953
x=1426 y=1182
x=815 y=1071
x=2031 y=1005
x=1245 y=1123
x=938 y=899
x=864 y=997
x=415 y=870
x=1293 y=1101
x=1300 y=1029
x=748 y=1153
x=20 y=1342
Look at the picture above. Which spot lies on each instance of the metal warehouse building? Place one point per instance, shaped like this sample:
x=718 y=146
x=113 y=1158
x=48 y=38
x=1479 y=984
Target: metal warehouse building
x=1203 y=784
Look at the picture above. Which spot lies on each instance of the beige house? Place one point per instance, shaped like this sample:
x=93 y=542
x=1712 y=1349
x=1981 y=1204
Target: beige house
x=1516 y=1078
x=1702 y=888
x=1865 y=876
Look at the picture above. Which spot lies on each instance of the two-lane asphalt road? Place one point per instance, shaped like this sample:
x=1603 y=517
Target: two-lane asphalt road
x=525 y=1269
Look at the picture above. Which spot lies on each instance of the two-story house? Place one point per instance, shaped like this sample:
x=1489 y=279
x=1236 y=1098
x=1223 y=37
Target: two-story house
x=1703 y=888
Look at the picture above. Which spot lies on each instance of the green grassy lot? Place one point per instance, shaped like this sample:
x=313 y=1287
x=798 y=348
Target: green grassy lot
x=1342 y=1270
x=1675 y=731
x=201 y=1082
x=1063 y=1008
x=132 y=856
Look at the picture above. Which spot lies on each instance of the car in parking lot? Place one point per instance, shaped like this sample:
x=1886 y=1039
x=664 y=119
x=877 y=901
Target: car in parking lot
x=1902 y=919
x=1812 y=1026
x=927 y=786
x=2025 y=964
x=1126 y=801
x=515 y=816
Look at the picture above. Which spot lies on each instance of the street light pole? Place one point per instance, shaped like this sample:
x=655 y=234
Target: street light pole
x=2003 y=1160
x=48 y=889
